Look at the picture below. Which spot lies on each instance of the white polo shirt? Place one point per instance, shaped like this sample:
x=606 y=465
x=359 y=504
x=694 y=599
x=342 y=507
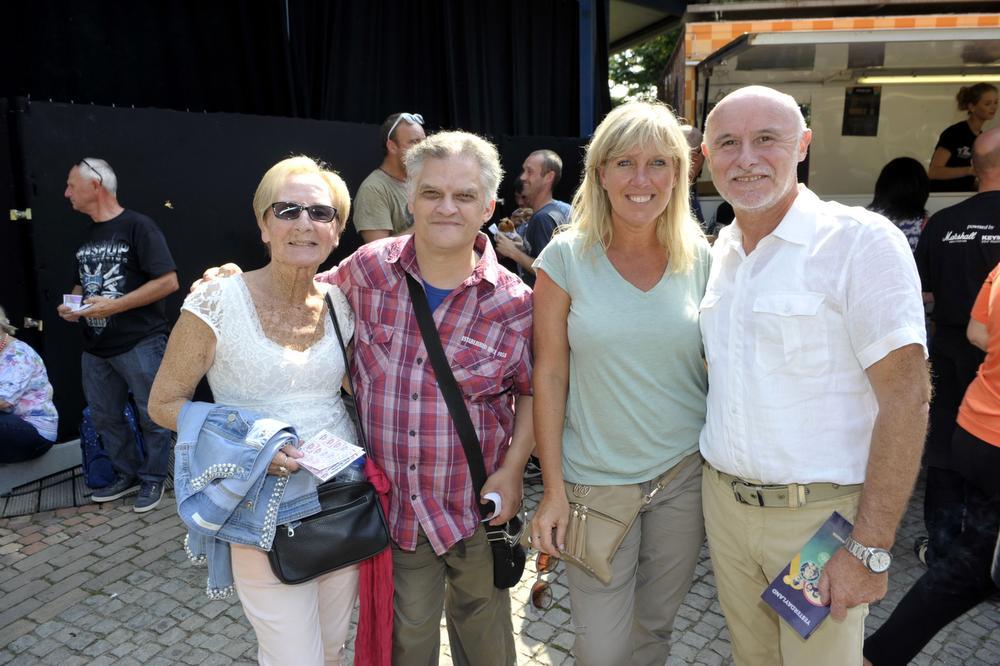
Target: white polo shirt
x=788 y=333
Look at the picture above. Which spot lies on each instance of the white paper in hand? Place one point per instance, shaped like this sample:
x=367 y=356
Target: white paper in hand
x=326 y=454
x=497 y=505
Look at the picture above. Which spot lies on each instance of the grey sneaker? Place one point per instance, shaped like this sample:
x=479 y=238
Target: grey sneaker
x=150 y=494
x=120 y=488
x=920 y=549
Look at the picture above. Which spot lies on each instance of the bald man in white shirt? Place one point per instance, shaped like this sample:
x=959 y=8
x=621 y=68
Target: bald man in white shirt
x=813 y=329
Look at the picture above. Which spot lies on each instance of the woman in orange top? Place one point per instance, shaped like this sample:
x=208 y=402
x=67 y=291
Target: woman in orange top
x=962 y=578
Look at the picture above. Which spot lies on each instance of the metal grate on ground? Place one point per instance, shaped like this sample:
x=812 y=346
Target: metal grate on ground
x=56 y=491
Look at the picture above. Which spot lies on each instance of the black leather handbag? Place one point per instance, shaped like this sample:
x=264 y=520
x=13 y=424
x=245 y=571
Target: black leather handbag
x=508 y=554
x=350 y=526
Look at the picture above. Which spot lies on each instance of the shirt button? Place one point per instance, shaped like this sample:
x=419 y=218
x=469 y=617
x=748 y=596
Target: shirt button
x=420 y=361
x=416 y=395
x=413 y=466
x=413 y=433
x=231 y=418
x=249 y=505
x=413 y=497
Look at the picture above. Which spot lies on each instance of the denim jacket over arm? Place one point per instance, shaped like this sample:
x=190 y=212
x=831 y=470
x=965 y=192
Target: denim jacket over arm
x=224 y=494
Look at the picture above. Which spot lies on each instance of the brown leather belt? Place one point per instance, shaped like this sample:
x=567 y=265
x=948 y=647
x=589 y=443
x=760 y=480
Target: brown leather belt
x=789 y=496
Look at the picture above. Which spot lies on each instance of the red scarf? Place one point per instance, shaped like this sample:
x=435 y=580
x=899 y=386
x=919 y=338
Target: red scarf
x=373 y=644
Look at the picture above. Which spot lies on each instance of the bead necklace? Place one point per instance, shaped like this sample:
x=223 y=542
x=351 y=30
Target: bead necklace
x=3 y=343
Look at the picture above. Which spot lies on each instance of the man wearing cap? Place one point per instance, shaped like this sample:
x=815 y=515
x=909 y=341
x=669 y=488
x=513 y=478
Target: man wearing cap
x=813 y=328
x=380 y=204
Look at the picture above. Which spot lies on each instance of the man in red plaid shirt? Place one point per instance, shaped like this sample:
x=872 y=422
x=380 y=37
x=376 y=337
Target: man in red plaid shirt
x=441 y=557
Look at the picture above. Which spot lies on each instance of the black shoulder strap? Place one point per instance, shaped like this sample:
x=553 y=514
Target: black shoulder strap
x=449 y=387
x=347 y=372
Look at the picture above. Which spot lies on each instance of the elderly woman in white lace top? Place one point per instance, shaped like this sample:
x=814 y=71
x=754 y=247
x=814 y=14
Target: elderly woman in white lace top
x=265 y=341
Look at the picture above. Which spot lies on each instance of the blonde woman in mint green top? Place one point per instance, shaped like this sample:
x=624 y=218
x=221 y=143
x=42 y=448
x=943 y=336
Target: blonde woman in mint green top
x=620 y=379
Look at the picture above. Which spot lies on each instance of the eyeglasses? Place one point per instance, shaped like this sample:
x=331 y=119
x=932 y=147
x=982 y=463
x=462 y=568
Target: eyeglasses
x=100 y=178
x=412 y=118
x=541 y=591
x=287 y=210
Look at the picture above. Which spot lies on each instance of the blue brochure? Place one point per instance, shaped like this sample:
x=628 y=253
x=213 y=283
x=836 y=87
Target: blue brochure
x=794 y=594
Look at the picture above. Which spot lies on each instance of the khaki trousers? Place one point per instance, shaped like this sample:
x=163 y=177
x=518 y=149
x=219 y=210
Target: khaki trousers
x=305 y=624
x=630 y=620
x=750 y=546
x=460 y=582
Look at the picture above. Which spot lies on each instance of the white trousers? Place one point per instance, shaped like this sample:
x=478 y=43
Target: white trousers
x=300 y=625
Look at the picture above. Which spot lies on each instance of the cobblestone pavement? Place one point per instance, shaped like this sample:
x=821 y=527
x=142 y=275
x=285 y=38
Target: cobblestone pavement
x=103 y=585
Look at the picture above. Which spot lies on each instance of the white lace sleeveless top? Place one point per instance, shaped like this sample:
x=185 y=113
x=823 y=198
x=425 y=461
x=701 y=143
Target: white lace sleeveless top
x=252 y=371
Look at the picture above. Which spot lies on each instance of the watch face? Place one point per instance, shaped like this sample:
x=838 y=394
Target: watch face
x=879 y=561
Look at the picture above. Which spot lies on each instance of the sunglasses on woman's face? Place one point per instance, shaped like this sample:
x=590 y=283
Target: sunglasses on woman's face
x=286 y=210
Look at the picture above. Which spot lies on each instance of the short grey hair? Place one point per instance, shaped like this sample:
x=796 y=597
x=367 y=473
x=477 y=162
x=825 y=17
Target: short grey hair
x=456 y=144
x=550 y=162
x=94 y=168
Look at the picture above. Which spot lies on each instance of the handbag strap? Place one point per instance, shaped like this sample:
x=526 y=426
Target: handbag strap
x=449 y=387
x=666 y=478
x=347 y=373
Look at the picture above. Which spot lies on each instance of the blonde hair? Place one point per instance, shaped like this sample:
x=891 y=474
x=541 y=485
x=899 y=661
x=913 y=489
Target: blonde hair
x=298 y=165
x=649 y=125
x=5 y=324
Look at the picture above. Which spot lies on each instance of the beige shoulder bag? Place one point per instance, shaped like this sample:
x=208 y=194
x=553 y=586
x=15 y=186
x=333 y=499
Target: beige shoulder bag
x=601 y=516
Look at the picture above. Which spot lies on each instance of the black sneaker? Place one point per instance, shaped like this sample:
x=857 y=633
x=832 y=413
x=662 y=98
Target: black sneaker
x=150 y=494
x=120 y=488
x=532 y=470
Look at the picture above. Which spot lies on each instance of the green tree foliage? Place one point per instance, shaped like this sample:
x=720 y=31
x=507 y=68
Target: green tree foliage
x=637 y=72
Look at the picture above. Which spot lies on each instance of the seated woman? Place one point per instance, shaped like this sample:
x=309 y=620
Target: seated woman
x=266 y=343
x=28 y=419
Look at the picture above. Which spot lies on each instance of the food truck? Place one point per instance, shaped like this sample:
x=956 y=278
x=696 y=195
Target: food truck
x=871 y=89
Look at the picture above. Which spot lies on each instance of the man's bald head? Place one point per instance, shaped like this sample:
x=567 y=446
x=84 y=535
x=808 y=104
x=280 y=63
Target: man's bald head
x=758 y=94
x=754 y=139
x=986 y=153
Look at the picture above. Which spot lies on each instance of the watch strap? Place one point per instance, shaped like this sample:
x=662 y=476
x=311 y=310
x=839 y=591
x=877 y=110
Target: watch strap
x=865 y=553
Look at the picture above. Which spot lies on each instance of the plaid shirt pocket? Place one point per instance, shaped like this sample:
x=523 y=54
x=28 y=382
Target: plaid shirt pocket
x=373 y=351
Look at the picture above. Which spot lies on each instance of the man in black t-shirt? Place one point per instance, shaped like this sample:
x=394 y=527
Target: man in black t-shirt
x=125 y=272
x=957 y=249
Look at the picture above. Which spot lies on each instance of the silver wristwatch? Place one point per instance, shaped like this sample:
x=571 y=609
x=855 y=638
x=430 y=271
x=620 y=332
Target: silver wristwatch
x=877 y=560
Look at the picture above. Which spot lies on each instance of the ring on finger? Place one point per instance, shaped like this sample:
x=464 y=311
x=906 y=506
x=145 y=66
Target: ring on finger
x=283 y=470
